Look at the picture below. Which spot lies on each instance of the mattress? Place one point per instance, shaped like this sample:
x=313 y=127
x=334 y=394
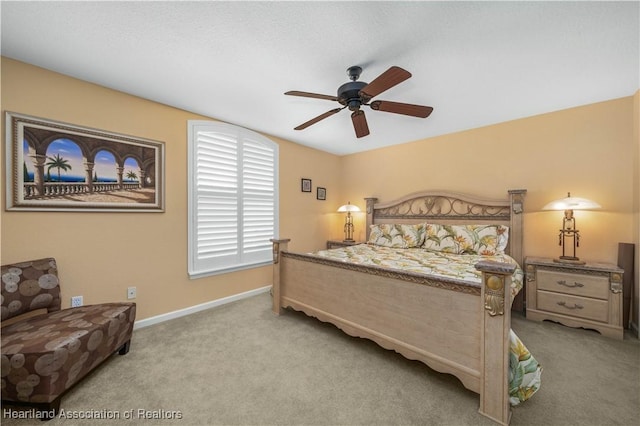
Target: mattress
x=459 y=267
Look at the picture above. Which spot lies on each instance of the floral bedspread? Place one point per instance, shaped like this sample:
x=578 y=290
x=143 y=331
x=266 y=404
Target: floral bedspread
x=524 y=370
x=436 y=263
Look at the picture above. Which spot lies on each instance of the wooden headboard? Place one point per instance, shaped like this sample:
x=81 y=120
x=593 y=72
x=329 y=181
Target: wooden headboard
x=450 y=208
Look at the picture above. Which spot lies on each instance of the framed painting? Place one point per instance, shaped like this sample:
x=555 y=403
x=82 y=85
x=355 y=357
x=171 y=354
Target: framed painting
x=321 y=193
x=64 y=167
x=305 y=185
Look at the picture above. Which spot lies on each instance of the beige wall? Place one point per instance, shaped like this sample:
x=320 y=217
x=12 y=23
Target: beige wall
x=101 y=254
x=592 y=151
x=586 y=150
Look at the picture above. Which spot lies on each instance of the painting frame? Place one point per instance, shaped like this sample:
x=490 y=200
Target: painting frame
x=89 y=168
x=321 y=193
x=305 y=185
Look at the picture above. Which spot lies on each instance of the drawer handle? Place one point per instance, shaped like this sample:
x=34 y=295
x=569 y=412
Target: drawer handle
x=575 y=305
x=564 y=283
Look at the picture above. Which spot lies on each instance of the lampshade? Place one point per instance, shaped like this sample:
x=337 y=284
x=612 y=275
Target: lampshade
x=348 y=208
x=572 y=203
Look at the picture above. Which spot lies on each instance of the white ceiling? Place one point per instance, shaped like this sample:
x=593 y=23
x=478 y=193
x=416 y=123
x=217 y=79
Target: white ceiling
x=475 y=63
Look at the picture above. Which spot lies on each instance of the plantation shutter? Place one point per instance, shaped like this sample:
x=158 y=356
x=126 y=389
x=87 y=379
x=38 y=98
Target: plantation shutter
x=258 y=192
x=233 y=198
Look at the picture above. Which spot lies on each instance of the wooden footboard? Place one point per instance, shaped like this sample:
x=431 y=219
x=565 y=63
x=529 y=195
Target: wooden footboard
x=451 y=327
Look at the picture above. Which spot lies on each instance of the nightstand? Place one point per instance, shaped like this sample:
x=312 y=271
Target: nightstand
x=588 y=296
x=331 y=244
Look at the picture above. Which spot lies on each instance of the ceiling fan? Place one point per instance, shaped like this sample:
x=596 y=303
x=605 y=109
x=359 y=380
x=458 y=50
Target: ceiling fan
x=355 y=94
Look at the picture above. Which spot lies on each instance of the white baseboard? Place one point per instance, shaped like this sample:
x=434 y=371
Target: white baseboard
x=197 y=308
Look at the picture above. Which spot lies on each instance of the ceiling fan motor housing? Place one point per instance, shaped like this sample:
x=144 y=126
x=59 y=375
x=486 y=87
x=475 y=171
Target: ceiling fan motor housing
x=349 y=94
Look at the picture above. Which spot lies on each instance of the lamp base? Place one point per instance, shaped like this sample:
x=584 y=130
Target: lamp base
x=349 y=240
x=570 y=260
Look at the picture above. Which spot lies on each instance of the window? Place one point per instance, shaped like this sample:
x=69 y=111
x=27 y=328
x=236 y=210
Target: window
x=233 y=198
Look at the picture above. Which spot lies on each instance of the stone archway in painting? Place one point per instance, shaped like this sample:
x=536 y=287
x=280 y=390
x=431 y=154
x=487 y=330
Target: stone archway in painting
x=93 y=165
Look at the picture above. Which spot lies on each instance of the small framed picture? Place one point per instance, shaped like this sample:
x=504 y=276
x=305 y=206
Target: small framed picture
x=321 y=193
x=306 y=185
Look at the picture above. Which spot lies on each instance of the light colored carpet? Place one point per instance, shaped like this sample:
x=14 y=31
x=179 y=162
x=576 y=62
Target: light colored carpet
x=239 y=364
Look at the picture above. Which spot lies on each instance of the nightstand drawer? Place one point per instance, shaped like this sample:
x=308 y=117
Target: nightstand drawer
x=574 y=306
x=572 y=283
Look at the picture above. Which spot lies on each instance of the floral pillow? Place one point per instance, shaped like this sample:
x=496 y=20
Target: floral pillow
x=397 y=236
x=483 y=240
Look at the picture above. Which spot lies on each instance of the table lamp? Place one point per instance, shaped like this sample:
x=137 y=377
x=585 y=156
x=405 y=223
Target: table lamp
x=569 y=231
x=348 y=224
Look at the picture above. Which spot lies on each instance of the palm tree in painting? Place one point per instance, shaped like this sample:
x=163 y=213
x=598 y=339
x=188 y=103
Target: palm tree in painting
x=59 y=163
x=132 y=175
x=25 y=173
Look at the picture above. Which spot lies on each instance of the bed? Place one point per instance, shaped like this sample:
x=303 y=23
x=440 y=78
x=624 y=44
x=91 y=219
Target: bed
x=456 y=320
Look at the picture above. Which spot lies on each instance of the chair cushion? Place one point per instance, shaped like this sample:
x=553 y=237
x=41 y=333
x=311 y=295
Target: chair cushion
x=27 y=286
x=45 y=355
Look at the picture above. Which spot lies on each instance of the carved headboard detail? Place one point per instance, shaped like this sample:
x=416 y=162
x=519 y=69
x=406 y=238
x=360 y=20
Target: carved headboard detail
x=453 y=208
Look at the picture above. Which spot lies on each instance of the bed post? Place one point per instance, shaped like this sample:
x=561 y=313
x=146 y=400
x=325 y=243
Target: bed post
x=516 y=197
x=279 y=245
x=494 y=344
x=370 y=203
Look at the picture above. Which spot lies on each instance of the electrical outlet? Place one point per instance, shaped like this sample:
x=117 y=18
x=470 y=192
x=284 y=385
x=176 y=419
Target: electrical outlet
x=131 y=293
x=76 y=301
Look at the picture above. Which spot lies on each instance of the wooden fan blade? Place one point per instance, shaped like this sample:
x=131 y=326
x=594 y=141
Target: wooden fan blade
x=400 y=108
x=386 y=80
x=311 y=95
x=360 y=123
x=318 y=118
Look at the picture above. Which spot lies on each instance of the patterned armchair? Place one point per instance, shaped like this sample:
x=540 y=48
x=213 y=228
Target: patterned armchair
x=44 y=355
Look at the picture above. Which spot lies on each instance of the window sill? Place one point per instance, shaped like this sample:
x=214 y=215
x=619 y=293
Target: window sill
x=202 y=274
